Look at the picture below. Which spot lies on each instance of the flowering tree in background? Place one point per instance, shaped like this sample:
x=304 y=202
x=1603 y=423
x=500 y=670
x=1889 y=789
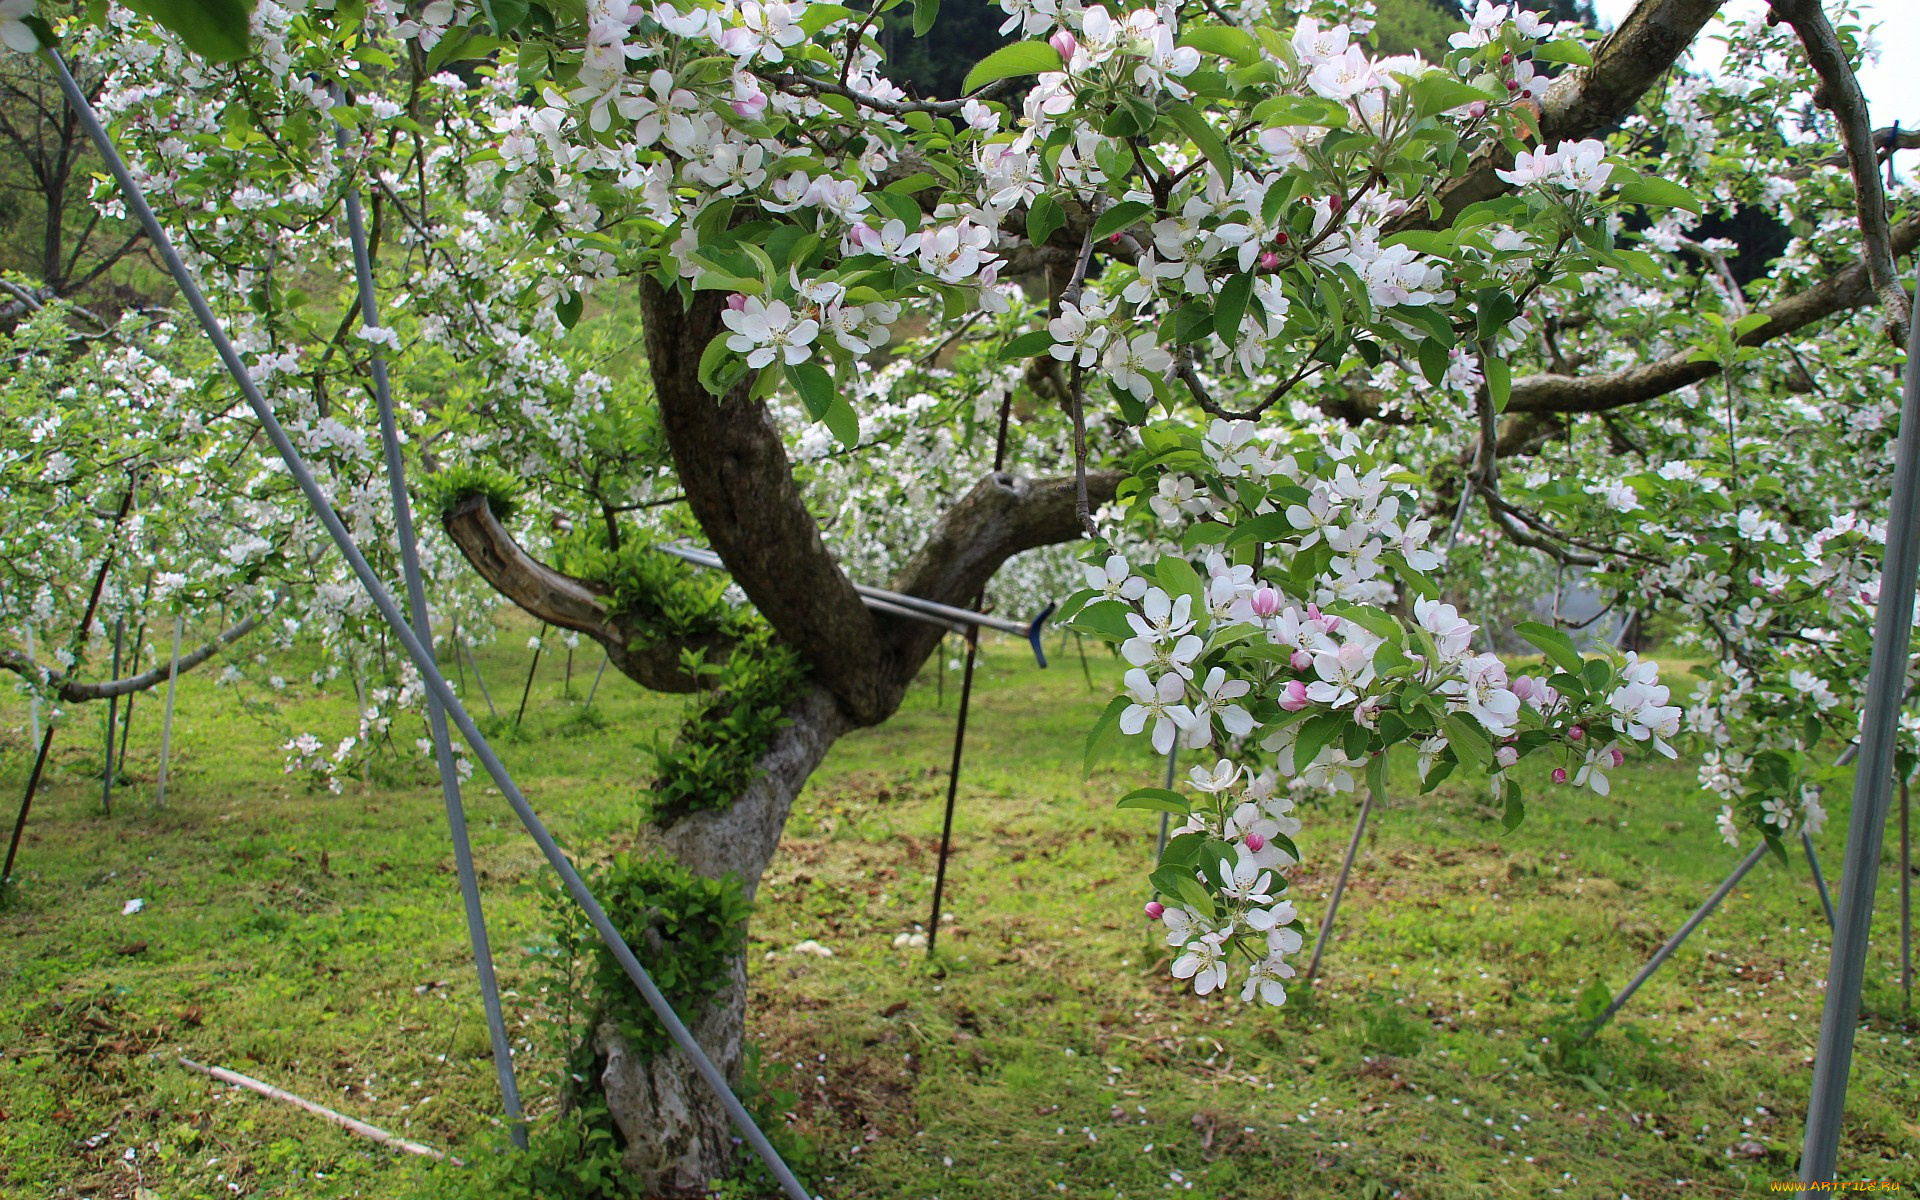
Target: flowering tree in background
x=1173 y=252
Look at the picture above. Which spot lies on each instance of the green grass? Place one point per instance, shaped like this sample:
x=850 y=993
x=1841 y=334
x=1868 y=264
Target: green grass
x=316 y=941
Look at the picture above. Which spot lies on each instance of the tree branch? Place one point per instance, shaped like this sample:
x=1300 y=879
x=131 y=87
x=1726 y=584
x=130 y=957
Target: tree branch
x=1840 y=94
x=1585 y=102
x=75 y=692
x=570 y=603
x=1849 y=287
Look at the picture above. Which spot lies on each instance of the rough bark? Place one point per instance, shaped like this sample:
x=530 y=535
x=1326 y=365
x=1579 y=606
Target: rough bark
x=678 y=1139
x=734 y=470
x=677 y=1136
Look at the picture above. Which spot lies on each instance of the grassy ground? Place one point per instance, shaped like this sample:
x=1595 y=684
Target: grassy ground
x=316 y=942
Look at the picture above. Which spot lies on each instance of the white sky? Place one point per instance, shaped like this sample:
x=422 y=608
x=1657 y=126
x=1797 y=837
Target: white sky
x=1892 y=84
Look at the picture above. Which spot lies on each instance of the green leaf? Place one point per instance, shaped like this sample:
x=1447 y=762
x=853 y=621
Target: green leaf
x=1010 y=62
x=815 y=387
x=1027 y=345
x=721 y=368
x=1105 y=731
x=1435 y=92
x=1231 y=306
x=1499 y=381
x=1223 y=41
x=1044 y=217
x=842 y=421
x=216 y=30
x=1434 y=361
x=818 y=16
x=924 y=12
x=506 y=15
x=568 y=310
x=1553 y=643
x=1377 y=775
x=1203 y=135
x=1659 y=193
x=1195 y=896
x=1267 y=527
x=1119 y=217
x=1300 y=110
x=1178 y=577
x=1574 y=53
x=1516 y=809
x=1105 y=619
x=1316 y=735
x=1468 y=739
x=1154 y=799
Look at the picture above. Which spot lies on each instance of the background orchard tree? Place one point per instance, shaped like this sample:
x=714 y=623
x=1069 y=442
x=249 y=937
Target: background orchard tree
x=1226 y=216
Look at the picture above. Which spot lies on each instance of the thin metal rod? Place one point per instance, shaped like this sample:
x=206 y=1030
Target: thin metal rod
x=953 y=791
x=436 y=716
x=1819 y=879
x=459 y=663
x=893 y=601
x=166 y=721
x=1339 y=886
x=113 y=712
x=1173 y=758
x=422 y=656
x=139 y=643
x=1086 y=672
x=1872 y=791
x=481 y=680
x=604 y=660
x=1680 y=935
x=1906 y=898
x=33 y=697
x=26 y=802
x=539 y=644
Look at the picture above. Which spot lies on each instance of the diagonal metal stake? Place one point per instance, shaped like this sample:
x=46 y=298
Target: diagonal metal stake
x=1340 y=886
x=422 y=656
x=436 y=716
x=1872 y=792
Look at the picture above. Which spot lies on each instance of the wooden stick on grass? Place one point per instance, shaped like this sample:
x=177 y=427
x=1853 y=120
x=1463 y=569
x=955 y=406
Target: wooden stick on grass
x=392 y=1141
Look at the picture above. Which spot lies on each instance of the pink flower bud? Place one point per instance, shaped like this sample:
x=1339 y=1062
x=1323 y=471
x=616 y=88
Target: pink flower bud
x=1506 y=60
x=749 y=107
x=1293 y=697
x=1301 y=660
x=1618 y=756
x=1255 y=842
x=1063 y=41
x=1265 y=602
x=1155 y=909
x=1269 y=260
x=1506 y=756
x=1512 y=86
x=1559 y=774
x=737 y=302
x=1114 y=237
x=1523 y=687
x=1576 y=733
x=1332 y=622
x=1279 y=239
x=1477 y=109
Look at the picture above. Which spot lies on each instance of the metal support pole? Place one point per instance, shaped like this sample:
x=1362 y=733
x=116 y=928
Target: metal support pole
x=33 y=697
x=436 y=716
x=1872 y=792
x=26 y=803
x=113 y=712
x=422 y=656
x=1906 y=899
x=953 y=788
x=166 y=721
x=604 y=660
x=1339 y=886
x=1173 y=758
x=539 y=644
x=1680 y=935
x=480 y=679
x=1819 y=880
